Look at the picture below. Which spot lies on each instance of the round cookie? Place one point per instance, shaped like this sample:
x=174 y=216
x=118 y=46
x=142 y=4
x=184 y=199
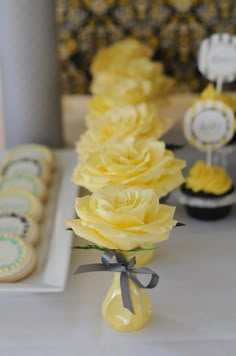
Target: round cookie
x=28 y=166
x=34 y=151
x=25 y=182
x=21 y=225
x=17 y=258
x=21 y=201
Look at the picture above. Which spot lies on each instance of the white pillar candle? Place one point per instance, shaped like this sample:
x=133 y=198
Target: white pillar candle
x=29 y=72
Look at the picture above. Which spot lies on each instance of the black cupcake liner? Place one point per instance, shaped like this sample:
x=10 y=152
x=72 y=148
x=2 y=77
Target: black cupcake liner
x=208 y=214
x=205 y=213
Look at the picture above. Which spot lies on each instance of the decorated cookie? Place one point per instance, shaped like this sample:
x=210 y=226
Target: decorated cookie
x=19 y=224
x=24 y=182
x=21 y=201
x=34 y=151
x=17 y=258
x=29 y=166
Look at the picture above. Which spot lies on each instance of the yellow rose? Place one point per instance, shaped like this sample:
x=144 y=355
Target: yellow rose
x=138 y=67
x=140 y=121
x=122 y=218
x=119 y=54
x=141 y=68
x=130 y=91
x=97 y=106
x=131 y=162
x=135 y=90
x=125 y=92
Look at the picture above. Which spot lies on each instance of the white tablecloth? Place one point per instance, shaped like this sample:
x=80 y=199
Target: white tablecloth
x=194 y=310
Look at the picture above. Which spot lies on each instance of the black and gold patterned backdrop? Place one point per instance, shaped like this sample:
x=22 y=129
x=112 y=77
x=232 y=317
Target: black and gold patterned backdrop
x=173 y=28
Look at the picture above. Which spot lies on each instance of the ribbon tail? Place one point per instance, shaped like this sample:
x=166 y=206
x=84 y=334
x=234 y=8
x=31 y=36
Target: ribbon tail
x=93 y=267
x=152 y=283
x=124 y=286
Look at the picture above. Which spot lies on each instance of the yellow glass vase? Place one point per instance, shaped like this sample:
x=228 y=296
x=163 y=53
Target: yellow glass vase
x=120 y=318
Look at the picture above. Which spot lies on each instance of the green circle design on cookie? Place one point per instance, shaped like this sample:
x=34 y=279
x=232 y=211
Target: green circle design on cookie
x=12 y=252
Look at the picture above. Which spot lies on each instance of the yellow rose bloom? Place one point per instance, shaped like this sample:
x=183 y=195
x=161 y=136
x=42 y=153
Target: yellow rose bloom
x=140 y=121
x=122 y=218
x=119 y=54
x=129 y=91
x=123 y=90
x=140 y=68
x=131 y=162
x=100 y=104
x=97 y=106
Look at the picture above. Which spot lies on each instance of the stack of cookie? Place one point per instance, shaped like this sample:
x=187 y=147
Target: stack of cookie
x=25 y=177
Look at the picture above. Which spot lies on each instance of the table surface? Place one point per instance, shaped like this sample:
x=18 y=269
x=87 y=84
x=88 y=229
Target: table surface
x=193 y=306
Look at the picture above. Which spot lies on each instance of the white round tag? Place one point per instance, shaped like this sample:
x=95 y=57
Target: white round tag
x=217 y=57
x=209 y=124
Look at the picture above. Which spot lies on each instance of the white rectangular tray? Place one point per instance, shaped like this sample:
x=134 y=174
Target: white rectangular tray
x=54 y=248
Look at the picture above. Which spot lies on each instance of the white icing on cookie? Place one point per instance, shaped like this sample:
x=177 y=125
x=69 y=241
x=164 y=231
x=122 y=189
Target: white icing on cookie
x=26 y=166
x=8 y=254
x=11 y=225
x=15 y=257
x=35 y=151
x=21 y=201
x=19 y=224
x=28 y=183
x=13 y=202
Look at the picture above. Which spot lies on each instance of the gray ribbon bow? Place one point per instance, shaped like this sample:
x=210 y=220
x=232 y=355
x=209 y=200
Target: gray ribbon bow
x=127 y=271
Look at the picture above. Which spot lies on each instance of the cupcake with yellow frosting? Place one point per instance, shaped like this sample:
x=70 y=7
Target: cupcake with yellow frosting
x=208 y=191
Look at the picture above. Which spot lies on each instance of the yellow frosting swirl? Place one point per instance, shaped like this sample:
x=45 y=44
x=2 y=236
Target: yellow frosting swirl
x=209 y=179
x=209 y=93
